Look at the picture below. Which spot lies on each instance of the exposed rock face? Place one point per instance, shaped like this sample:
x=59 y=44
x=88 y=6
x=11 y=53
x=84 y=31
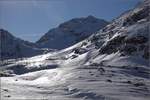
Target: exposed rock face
x=136 y=16
x=128 y=34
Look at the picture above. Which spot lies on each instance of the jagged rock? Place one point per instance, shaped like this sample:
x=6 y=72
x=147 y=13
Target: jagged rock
x=129 y=49
x=146 y=54
x=136 y=16
x=108 y=49
x=137 y=40
x=74 y=56
x=79 y=50
x=137 y=84
x=108 y=80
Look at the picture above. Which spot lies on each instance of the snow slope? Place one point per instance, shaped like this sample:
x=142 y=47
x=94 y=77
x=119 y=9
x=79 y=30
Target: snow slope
x=78 y=79
x=93 y=69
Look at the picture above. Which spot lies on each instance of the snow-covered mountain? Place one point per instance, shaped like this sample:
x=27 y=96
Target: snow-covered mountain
x=12 y=47
x=128 y=34
x=112 y=64
x=71 y=32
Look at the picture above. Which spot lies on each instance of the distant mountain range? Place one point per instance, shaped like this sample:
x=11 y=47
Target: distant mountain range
x=63 y=36
x=71 y=32
x=12 y=47
x=111 y=64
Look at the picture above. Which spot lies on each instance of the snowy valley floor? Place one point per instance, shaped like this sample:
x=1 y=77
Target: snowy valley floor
x=75 y=79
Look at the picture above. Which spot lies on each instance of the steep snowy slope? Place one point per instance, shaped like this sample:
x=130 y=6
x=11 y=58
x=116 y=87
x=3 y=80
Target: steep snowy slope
x=128 y=34
x=71 y=32
x=94 y=69
x=75 y=78
x=12 y=47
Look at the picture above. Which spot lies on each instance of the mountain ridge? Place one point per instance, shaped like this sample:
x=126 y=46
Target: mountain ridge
x=63 y=32
x=108 y=65
x=71 y=32
x=13 y=47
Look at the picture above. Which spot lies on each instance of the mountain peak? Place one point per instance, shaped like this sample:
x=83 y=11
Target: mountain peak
x=5 y=34
x=71 y=32
x=3 y=31
x=13 y=47
x=91 y=17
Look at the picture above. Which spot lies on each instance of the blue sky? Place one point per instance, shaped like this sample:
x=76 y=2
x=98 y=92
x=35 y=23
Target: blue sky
x=30 y=19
